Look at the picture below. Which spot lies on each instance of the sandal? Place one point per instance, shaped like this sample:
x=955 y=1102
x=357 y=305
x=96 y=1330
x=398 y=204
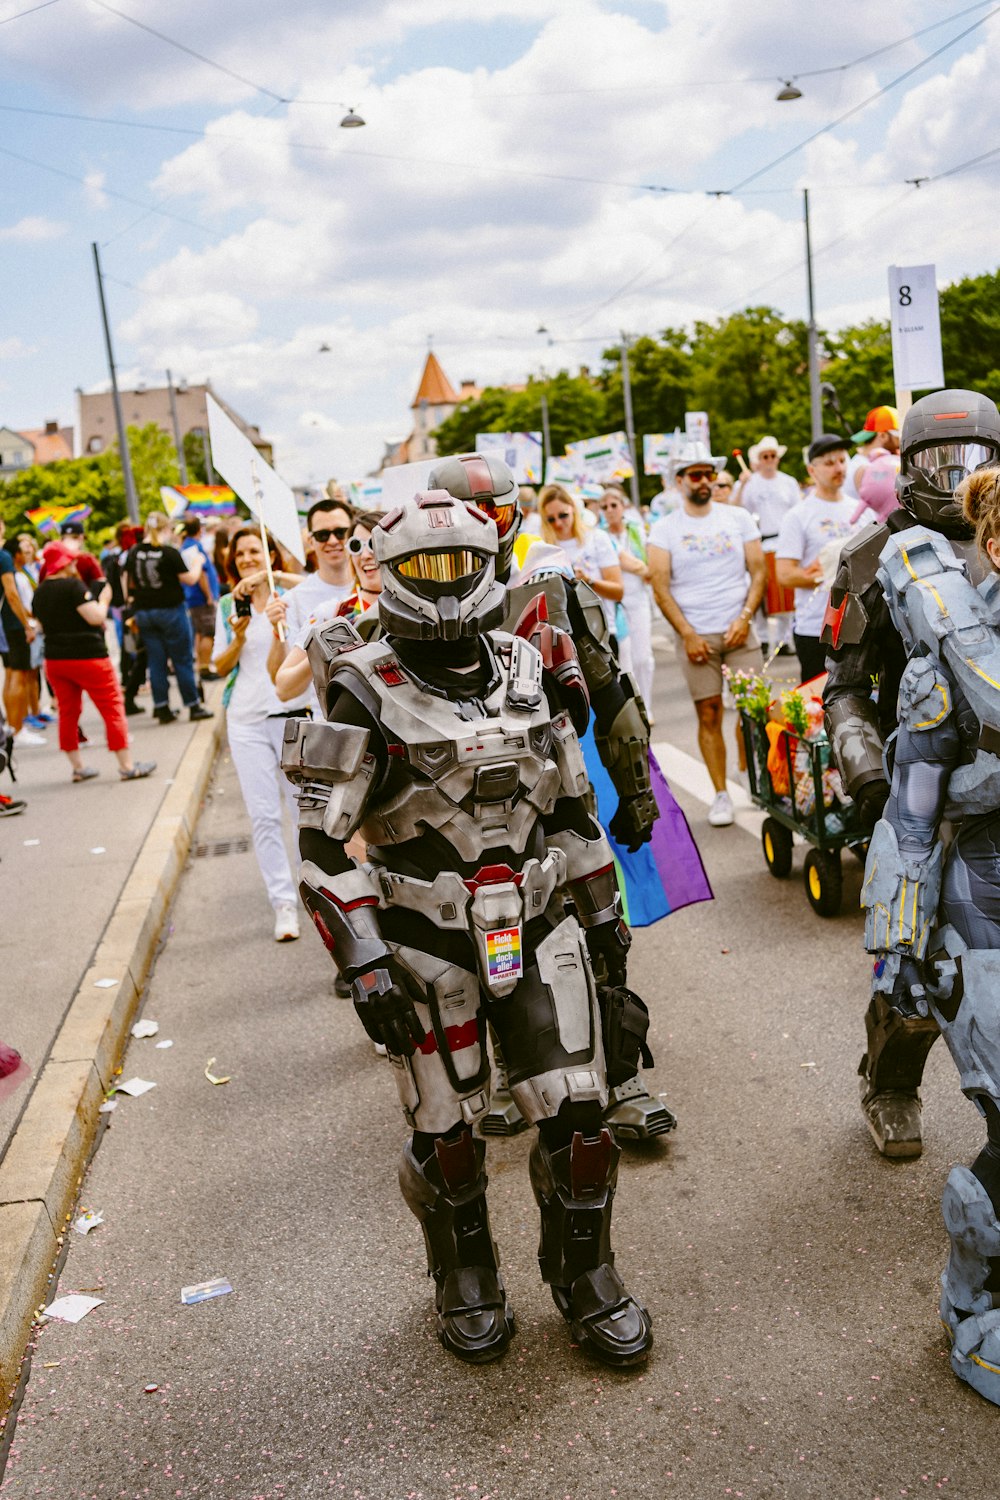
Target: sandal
x=139 y=770
x=86 y=773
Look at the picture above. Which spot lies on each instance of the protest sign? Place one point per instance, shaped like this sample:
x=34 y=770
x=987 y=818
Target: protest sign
x=916 y=328
x=604 y=459
x=263 y=491
x=520 y=451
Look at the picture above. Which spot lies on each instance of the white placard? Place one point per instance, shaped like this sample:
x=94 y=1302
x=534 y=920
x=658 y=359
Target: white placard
x=696 y=428
x=520 y=451
x=252 y=478
x=400 y=482
x=916 y=328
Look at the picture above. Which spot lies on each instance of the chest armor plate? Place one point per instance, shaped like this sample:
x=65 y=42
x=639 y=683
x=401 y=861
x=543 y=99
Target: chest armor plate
x=480 y=772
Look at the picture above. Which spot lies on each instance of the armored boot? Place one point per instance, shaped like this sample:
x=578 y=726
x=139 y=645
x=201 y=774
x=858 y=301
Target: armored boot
x=503 y=1116
x=969 y=1310
x=634 y=1115
x=447 y=1192
x=575 y=1188
x=890 y=1074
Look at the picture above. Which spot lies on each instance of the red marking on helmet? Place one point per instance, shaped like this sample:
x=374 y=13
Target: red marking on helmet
x=492 y=875
x=472 y=506
x=834 y=620
x=456 y=1038
x=477 y=471
x=434 y=497
x=950 y=416
x=391 y=674
x=347 y=905
x=392 y=518
x=439 y=516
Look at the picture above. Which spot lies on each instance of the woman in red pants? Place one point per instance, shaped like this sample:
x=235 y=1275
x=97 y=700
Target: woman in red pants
x=76 y=660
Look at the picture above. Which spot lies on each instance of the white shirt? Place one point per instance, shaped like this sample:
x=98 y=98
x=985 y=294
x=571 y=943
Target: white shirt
x=592 y=556
x=769 y=500
x=301 y=600
x=708 y=569
x=637 y=593
x=809 y=528
x=254 y=697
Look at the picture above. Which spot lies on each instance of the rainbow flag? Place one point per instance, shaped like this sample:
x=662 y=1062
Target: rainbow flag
x=665 y=874
x=48 y=518
x=199 y=499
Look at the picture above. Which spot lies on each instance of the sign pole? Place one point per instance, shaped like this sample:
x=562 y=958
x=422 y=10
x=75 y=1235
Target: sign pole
x=629 y=421
x=280 y=627
x=131 y=499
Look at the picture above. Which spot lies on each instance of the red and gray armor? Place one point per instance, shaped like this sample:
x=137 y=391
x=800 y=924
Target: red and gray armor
x=944 y=437
x=933 y=913
x=488 y=897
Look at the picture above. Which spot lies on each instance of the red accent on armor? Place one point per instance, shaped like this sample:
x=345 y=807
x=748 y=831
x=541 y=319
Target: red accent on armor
x=492 y=875
x=431 y=498
x=593 y=874
x=391 y=674
x=348 y=905
x=477 y=471
x=456 y=1038
x=834 y=620
x=392 y=518
x=457 y=1160
x=950 y=416
x=477 y=513
x=397 y=750
x=533 y=616
x=589 y=1163
x=325 y=934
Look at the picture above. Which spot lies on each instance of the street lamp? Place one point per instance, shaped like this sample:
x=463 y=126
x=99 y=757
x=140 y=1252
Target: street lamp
x=352 y=120
x=788 y=91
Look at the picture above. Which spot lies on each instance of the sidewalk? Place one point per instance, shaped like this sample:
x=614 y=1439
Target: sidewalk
x=87 y=873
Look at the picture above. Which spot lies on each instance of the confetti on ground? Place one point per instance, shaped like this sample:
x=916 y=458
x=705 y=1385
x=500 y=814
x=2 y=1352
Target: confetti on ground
x=149 y=1389
x=107 y=1107
x=105 y=984
x=99 y=850
x=160 y=1045
x=87 y=1221
x=73 y=1307
x=52 y=1364
x=145 y=1028
x=32 y=843
x=808 y=1065
x=211 y=1076
x=203 y=1290
x=136 y=1087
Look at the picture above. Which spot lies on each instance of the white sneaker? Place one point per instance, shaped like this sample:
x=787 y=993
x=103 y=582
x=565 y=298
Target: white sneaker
x=29 y=737
x=286 y=924
x=720 y=814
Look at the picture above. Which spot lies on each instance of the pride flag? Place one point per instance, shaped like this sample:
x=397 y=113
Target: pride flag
x=48 y=518
x=199 y=499
x=665 y=874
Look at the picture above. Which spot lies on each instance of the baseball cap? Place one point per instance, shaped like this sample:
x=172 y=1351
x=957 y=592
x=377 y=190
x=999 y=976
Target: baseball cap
x=827 y=442
x=71 y=528
x=879 y=419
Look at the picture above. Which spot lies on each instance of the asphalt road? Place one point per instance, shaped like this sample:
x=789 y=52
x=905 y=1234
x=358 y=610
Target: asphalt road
x=792 y=1274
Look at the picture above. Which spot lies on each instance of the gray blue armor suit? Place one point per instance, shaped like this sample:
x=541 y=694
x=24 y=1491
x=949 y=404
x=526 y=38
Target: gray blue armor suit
x=488 y=897
x=933 y=915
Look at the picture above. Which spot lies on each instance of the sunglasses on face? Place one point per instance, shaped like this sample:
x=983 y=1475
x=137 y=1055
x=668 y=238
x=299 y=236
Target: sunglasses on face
x=700 y=474
x=339 y=533
x=359 y=544
x=560 y=515
x=767 y=455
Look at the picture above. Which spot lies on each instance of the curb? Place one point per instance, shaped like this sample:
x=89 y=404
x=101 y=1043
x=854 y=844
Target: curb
x=44 y=1164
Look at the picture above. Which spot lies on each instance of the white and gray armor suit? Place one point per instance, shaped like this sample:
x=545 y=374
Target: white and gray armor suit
x=933 y=917
x=488 y=888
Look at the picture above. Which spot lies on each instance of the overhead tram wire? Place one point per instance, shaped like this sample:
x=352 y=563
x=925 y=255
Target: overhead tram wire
x=29 y=12
x=857 y=108
x=182 y=47
x=110 y=192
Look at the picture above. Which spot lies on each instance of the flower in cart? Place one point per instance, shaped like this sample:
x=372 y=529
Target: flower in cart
x=795 y=713
x=751 y=693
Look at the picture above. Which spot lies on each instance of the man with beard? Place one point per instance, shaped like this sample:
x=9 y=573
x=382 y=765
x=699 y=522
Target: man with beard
x=706 y=565
x=810 y=538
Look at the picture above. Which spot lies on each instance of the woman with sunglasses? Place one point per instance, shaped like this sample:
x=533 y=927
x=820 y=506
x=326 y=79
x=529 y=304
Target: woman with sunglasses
x=590 y=554
x=637 y=601
x=256 y=717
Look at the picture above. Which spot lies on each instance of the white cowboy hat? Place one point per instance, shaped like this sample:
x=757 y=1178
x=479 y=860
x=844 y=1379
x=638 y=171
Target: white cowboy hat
x=767 y=443
x=686 y=455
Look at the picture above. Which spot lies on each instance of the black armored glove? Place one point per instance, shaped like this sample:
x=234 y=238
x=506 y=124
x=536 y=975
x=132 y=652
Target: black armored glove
x=871 y=800
x=385 y=1009
x=608 y=947
x=632 y=824
x=908 y=996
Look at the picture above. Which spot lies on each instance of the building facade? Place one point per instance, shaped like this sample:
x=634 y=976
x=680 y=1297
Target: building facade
x=151 y=403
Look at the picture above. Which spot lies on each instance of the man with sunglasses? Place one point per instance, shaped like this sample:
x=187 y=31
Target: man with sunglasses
x=329 y=525
x=707 y=570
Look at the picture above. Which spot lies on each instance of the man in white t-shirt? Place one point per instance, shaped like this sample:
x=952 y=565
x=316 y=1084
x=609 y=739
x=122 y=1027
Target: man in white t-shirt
x=707 y=570
x=329 y=523
x=769 y=495
x=809 y=544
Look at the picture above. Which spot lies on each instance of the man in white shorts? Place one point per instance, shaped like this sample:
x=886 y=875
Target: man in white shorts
x=707 y=570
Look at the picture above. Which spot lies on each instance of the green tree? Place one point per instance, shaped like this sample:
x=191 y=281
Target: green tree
x=576 y=410
x=70 y=481
x=970 y=333
x=194 y=457
x=154 y=463
x=859 y=367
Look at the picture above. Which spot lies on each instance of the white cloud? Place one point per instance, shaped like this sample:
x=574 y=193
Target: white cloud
x=15 y=348
x=94 y=183
x=32 y=229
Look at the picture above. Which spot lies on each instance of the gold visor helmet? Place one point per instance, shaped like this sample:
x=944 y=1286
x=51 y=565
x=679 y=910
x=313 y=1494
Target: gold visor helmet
x=438 y=561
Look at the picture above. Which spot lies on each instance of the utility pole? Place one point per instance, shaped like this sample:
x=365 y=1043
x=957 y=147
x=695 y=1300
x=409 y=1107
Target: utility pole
x=629 y=423
x=546 y=437
x=207 y=452
x=815 y=406
x=131 y=499
x=181 y=460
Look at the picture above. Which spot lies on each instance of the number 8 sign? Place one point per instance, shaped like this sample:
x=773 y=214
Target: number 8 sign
x=916 y=328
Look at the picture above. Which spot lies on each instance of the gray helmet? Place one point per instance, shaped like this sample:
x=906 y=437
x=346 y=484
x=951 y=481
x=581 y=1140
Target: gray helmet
x=945 y=437
x=486 y=481
x=438 y=561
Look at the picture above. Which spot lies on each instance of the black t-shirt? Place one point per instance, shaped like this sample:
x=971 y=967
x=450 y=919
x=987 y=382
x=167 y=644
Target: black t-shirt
x=8 y=619
x=153 y=576
x=68 y=637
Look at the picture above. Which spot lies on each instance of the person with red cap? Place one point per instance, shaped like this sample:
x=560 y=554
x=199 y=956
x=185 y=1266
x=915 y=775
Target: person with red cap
x=879 y=436
x=77 y=661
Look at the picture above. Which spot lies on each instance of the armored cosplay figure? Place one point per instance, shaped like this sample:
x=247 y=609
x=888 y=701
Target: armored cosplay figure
x=488 y=896
x=564 y=617
x=933 y=917
x=945 y=437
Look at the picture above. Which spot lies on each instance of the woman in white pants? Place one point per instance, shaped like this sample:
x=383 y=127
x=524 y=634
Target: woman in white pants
x=256 y=718
x=637 y=601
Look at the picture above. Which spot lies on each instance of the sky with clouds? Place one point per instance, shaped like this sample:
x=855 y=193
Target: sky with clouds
x=589 y=166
